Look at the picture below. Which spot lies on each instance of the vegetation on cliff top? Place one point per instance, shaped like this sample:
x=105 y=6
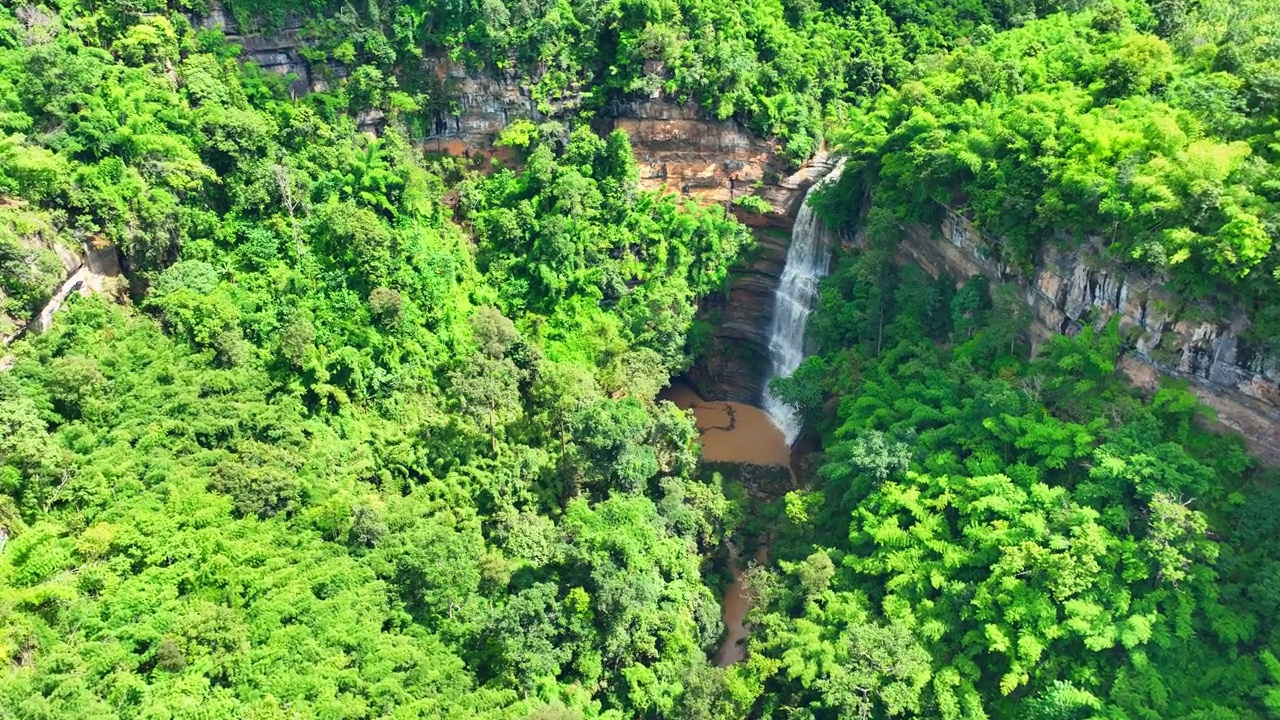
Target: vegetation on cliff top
x=1154 y=131
x=781 y=67
x=1150 y=125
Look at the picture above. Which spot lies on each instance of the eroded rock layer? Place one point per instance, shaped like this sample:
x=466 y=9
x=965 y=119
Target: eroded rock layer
x=1072 y=288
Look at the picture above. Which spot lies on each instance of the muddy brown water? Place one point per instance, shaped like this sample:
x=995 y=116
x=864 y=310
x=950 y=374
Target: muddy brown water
x=737 y=600
x=733 y=432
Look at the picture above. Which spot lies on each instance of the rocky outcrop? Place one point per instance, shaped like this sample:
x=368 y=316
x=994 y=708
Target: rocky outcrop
x=88 y=271
x=278 y=51
x=1072 y=287
x=481 y=103
x=677 y=146
x=683 y=148
x=735 y=361
x=33 y=261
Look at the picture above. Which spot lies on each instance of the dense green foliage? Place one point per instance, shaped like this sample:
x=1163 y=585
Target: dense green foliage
x=372 y=434
x=1153 y=130
x=781 y=67
x=992 y=536
x=356 y=452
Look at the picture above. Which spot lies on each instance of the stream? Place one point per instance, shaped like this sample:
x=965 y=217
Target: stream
x=734 y=432
x=741 y=433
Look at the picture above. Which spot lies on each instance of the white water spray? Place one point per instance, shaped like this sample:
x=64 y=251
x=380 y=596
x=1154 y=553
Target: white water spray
x=808 y=260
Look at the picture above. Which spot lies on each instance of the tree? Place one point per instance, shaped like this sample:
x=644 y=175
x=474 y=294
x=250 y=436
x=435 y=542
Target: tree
x=1140 y=63
x=610 y=438
x=433 y=563
x=488 y=389
x=1175 y=539
x=876 y=454
x=292 y=196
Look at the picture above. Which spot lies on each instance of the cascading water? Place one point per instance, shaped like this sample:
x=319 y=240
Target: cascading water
x=808 y=261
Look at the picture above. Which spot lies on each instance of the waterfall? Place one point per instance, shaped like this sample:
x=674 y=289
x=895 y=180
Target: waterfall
x=808 y=259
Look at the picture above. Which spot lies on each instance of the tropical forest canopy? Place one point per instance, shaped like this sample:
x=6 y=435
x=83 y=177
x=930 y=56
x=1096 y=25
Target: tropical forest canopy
x=369 y=433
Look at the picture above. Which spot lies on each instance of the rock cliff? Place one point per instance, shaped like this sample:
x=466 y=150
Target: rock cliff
x=86 y=270
x=1169 y=338
x=681 y=147
x=278 y=51
x=677 y=146
x=31 y=268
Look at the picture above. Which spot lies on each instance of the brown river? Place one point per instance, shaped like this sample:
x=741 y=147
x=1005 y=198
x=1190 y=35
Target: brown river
x=733 y=432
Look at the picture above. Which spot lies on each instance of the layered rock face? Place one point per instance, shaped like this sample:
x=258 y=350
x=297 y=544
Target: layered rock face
x=277 y=51
x=676 y=146
x=485 y=101
x=682 y=148
x=735 y=362
x=1072 y=288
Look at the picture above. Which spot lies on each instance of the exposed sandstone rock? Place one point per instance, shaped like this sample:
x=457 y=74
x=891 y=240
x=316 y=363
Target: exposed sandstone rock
x=736 y=360
x=485 y=102
x=87 y=271
x=1074 y=287
x=277 y=51
x=676 y=146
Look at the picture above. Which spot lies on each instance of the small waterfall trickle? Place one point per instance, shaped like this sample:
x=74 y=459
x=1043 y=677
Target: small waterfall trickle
x=808 y=261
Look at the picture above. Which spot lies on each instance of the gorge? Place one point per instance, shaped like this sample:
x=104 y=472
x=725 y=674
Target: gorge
x=679 y=147
x=666 y=359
